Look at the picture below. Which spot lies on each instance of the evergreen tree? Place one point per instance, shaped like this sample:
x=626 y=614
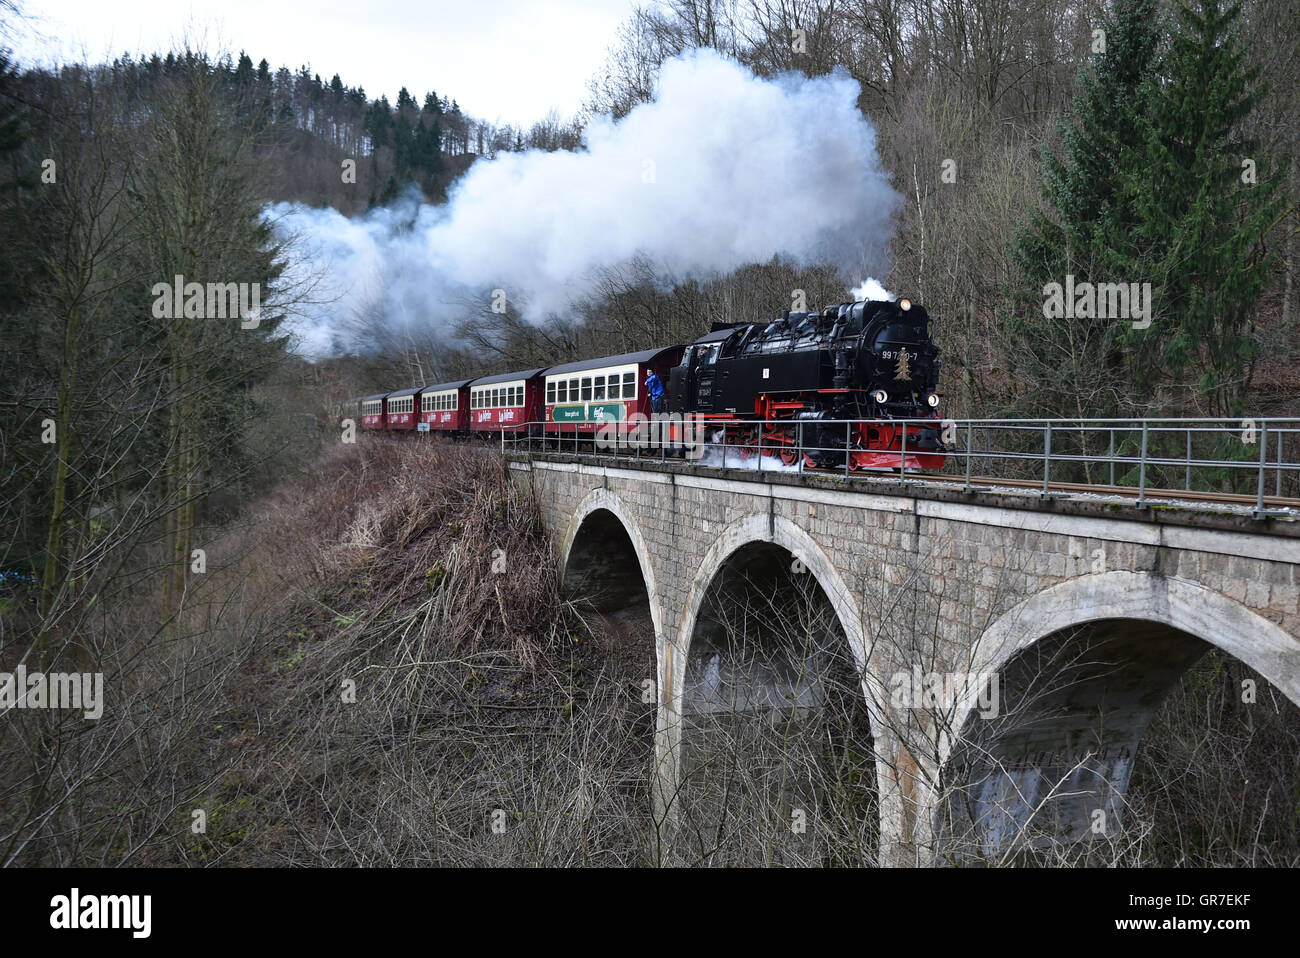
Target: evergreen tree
x=1076 y=366
x=379 y=123
x=244 y=71
x=1205 y=199
x=402 y=146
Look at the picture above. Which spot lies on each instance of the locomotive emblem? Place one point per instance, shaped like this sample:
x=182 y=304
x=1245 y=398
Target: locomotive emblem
x=904 y=369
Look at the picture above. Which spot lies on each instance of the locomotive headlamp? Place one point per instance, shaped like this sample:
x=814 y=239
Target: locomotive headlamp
x=880 y=395
x=904 y=304
x=933 y=400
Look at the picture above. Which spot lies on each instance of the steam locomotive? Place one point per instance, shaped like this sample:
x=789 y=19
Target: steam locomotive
x=842 y=377
x=822 y=385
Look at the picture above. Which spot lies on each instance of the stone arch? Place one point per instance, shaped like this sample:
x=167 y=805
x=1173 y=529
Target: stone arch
x=603 y=499
x=781 y=532
x=1159 y=625
x=784 y=533
x=1144 y=596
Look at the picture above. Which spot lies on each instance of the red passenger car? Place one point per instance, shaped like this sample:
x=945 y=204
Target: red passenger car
x=444 y=407
x=580 y=397
x=399 y=409
x=506 y=403
x=372 y=411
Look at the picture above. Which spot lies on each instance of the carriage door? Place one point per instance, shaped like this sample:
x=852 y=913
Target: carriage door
x=705 y=366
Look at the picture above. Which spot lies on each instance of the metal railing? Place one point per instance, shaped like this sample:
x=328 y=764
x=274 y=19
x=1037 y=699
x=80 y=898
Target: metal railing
x=1253 y=462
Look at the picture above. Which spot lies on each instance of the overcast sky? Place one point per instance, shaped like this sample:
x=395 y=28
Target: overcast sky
x=507 y=61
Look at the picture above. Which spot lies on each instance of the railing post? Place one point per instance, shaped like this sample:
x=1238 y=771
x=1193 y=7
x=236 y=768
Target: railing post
x=1047 y=457
x=1110 y=455
x=846 y=448
x=902 y=465
x=1263 y=459
x=1277 y=475
x=1142 y=467
x=1187 y=477
x=970 y=432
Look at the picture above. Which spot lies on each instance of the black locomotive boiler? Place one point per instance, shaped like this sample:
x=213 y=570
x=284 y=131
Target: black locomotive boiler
x=829 y=382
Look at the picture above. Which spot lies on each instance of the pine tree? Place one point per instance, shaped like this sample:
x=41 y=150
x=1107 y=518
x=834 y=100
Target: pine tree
x=1205 y=199
x=1074 y=366
x=403 y=146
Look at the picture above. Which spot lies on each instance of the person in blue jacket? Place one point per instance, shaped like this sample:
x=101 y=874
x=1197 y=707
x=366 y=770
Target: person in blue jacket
x=656 y=390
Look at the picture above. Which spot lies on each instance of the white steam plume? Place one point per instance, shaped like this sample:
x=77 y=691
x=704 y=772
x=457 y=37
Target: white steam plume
x=723 y=169
x=871 y=289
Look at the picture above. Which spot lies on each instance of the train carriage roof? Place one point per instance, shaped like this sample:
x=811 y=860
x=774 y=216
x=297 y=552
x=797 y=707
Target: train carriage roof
x=508 y=377
x=718 y=335
x=442 y=387
x=375 y=396
x=625 y=359
x=405 y=392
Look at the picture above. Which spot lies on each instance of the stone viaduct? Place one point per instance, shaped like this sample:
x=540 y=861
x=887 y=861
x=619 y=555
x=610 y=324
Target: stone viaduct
x=1007 y=585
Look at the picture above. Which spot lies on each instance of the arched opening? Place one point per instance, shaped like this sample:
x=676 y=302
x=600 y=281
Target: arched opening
x=777 y=759
x=1047 y=762
x=603 y=569
x=1121 y=740
x=614 y=674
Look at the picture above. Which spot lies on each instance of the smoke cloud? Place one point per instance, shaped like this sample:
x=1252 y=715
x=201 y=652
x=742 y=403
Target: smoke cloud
x=871 y=289
x=723 y=169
